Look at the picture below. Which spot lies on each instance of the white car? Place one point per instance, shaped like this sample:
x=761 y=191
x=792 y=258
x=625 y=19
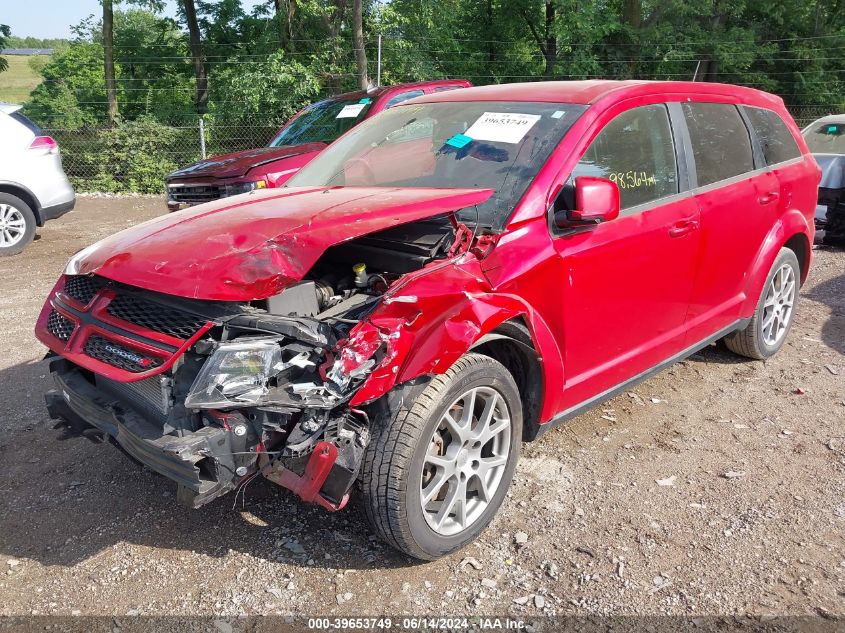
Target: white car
x=33 y=185
x=826 y=140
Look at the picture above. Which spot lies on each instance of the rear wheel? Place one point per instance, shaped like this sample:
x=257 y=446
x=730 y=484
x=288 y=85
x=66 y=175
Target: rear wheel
x=772 y=319
x=435 y=474
x=17 y=224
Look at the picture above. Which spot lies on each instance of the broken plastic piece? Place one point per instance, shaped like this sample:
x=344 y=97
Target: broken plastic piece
x=307 y=487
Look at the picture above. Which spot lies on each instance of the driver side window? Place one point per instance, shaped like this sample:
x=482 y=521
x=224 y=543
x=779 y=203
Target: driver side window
x=636 y=151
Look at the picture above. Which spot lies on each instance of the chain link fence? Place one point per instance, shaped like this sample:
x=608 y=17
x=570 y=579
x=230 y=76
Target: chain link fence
x=806 y=115
x=136 y=156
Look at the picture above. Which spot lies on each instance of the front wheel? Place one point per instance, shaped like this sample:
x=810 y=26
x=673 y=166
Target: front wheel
x=436 y=473
x=766 y=332
x=17 y=224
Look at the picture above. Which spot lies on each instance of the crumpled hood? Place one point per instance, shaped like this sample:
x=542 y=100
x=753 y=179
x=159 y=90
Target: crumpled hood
x=237 y=164
x=255 y=245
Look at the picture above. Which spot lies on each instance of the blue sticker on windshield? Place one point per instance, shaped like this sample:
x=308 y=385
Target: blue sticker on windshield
x=459 y=141
x=365 y=100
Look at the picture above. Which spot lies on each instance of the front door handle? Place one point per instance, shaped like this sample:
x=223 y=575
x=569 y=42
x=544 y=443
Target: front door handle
x=768 y=198
x=679 y=229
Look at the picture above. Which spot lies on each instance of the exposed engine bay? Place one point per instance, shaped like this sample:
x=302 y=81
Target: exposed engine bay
x=261 y=388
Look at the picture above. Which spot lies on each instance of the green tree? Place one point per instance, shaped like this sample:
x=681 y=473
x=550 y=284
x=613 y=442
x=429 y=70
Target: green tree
x=108 y=59
x=358 y=44
x=35 y=42
x=276 y=86
x=72 y=93
x=5 y=32
x=189 y=12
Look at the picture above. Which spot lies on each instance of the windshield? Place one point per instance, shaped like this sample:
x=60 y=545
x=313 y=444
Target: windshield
x=477 y=145
x=826 y=138
x=323 y=122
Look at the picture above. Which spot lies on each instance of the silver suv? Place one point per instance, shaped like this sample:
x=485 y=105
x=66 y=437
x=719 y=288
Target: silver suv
x=33 y=186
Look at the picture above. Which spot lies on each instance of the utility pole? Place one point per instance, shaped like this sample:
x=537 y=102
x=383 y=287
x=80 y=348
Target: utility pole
x=378 y=63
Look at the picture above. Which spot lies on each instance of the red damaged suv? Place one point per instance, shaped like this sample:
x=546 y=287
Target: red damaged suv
x=298 y=142
x=449 y=279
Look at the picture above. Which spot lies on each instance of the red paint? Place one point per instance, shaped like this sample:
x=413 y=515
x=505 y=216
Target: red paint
x=602 y=305
x=256 y=247
x=238 y=164
x=612 y=302
x=596 y=199
x=72 y=349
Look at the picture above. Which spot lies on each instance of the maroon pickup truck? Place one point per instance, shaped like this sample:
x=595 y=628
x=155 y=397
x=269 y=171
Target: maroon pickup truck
x=297 y=143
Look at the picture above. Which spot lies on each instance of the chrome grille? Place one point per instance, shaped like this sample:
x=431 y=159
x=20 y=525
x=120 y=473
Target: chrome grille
x=194 y=194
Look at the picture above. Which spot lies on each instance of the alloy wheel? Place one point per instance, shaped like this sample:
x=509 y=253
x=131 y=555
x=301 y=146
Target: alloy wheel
x=466 y=460
x=778 y=305
x=12 y=225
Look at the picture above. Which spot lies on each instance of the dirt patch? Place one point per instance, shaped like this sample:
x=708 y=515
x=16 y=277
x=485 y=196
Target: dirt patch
x=747 y=517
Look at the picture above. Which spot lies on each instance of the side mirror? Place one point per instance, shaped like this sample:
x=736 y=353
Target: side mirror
x=596 y=201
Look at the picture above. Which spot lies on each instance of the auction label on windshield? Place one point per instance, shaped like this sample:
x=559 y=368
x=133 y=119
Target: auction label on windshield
x=351 y=111
x=502 y=127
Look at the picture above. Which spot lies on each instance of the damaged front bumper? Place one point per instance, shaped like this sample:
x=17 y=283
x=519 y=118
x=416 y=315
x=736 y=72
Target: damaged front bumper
x=217 y=457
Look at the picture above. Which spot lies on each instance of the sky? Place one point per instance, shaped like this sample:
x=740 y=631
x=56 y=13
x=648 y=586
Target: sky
x=53 y=18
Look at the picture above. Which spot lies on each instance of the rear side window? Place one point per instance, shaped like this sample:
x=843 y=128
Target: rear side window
x=635 y=150
x=774 y=137
x=403 y=96
x=29 y=125
x=720 y=142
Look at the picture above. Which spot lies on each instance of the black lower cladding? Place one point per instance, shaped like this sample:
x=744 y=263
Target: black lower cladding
x=56 y=211
x=203 y=462
x=833 y=224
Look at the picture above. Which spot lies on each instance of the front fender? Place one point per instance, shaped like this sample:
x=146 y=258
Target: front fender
x=435 y=318
x=789 y=225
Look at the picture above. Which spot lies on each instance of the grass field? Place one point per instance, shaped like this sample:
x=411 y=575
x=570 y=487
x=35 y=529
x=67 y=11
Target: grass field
x=20 y=79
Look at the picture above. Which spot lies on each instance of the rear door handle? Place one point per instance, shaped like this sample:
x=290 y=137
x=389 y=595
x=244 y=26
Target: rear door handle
x=768 y=198
x=679 y=229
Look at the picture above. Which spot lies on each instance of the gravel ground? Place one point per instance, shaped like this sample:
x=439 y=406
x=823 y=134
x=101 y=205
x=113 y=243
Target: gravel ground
x=715 y=487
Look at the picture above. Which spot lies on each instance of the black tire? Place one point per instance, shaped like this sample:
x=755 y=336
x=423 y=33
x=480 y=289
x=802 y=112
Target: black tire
x=749 y=341
x=393 y=463
x=29 y=223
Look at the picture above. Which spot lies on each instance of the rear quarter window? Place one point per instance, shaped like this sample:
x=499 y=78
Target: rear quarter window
x=721 y=145
x=403 y=96
x=29 y=125
x=775 y=139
